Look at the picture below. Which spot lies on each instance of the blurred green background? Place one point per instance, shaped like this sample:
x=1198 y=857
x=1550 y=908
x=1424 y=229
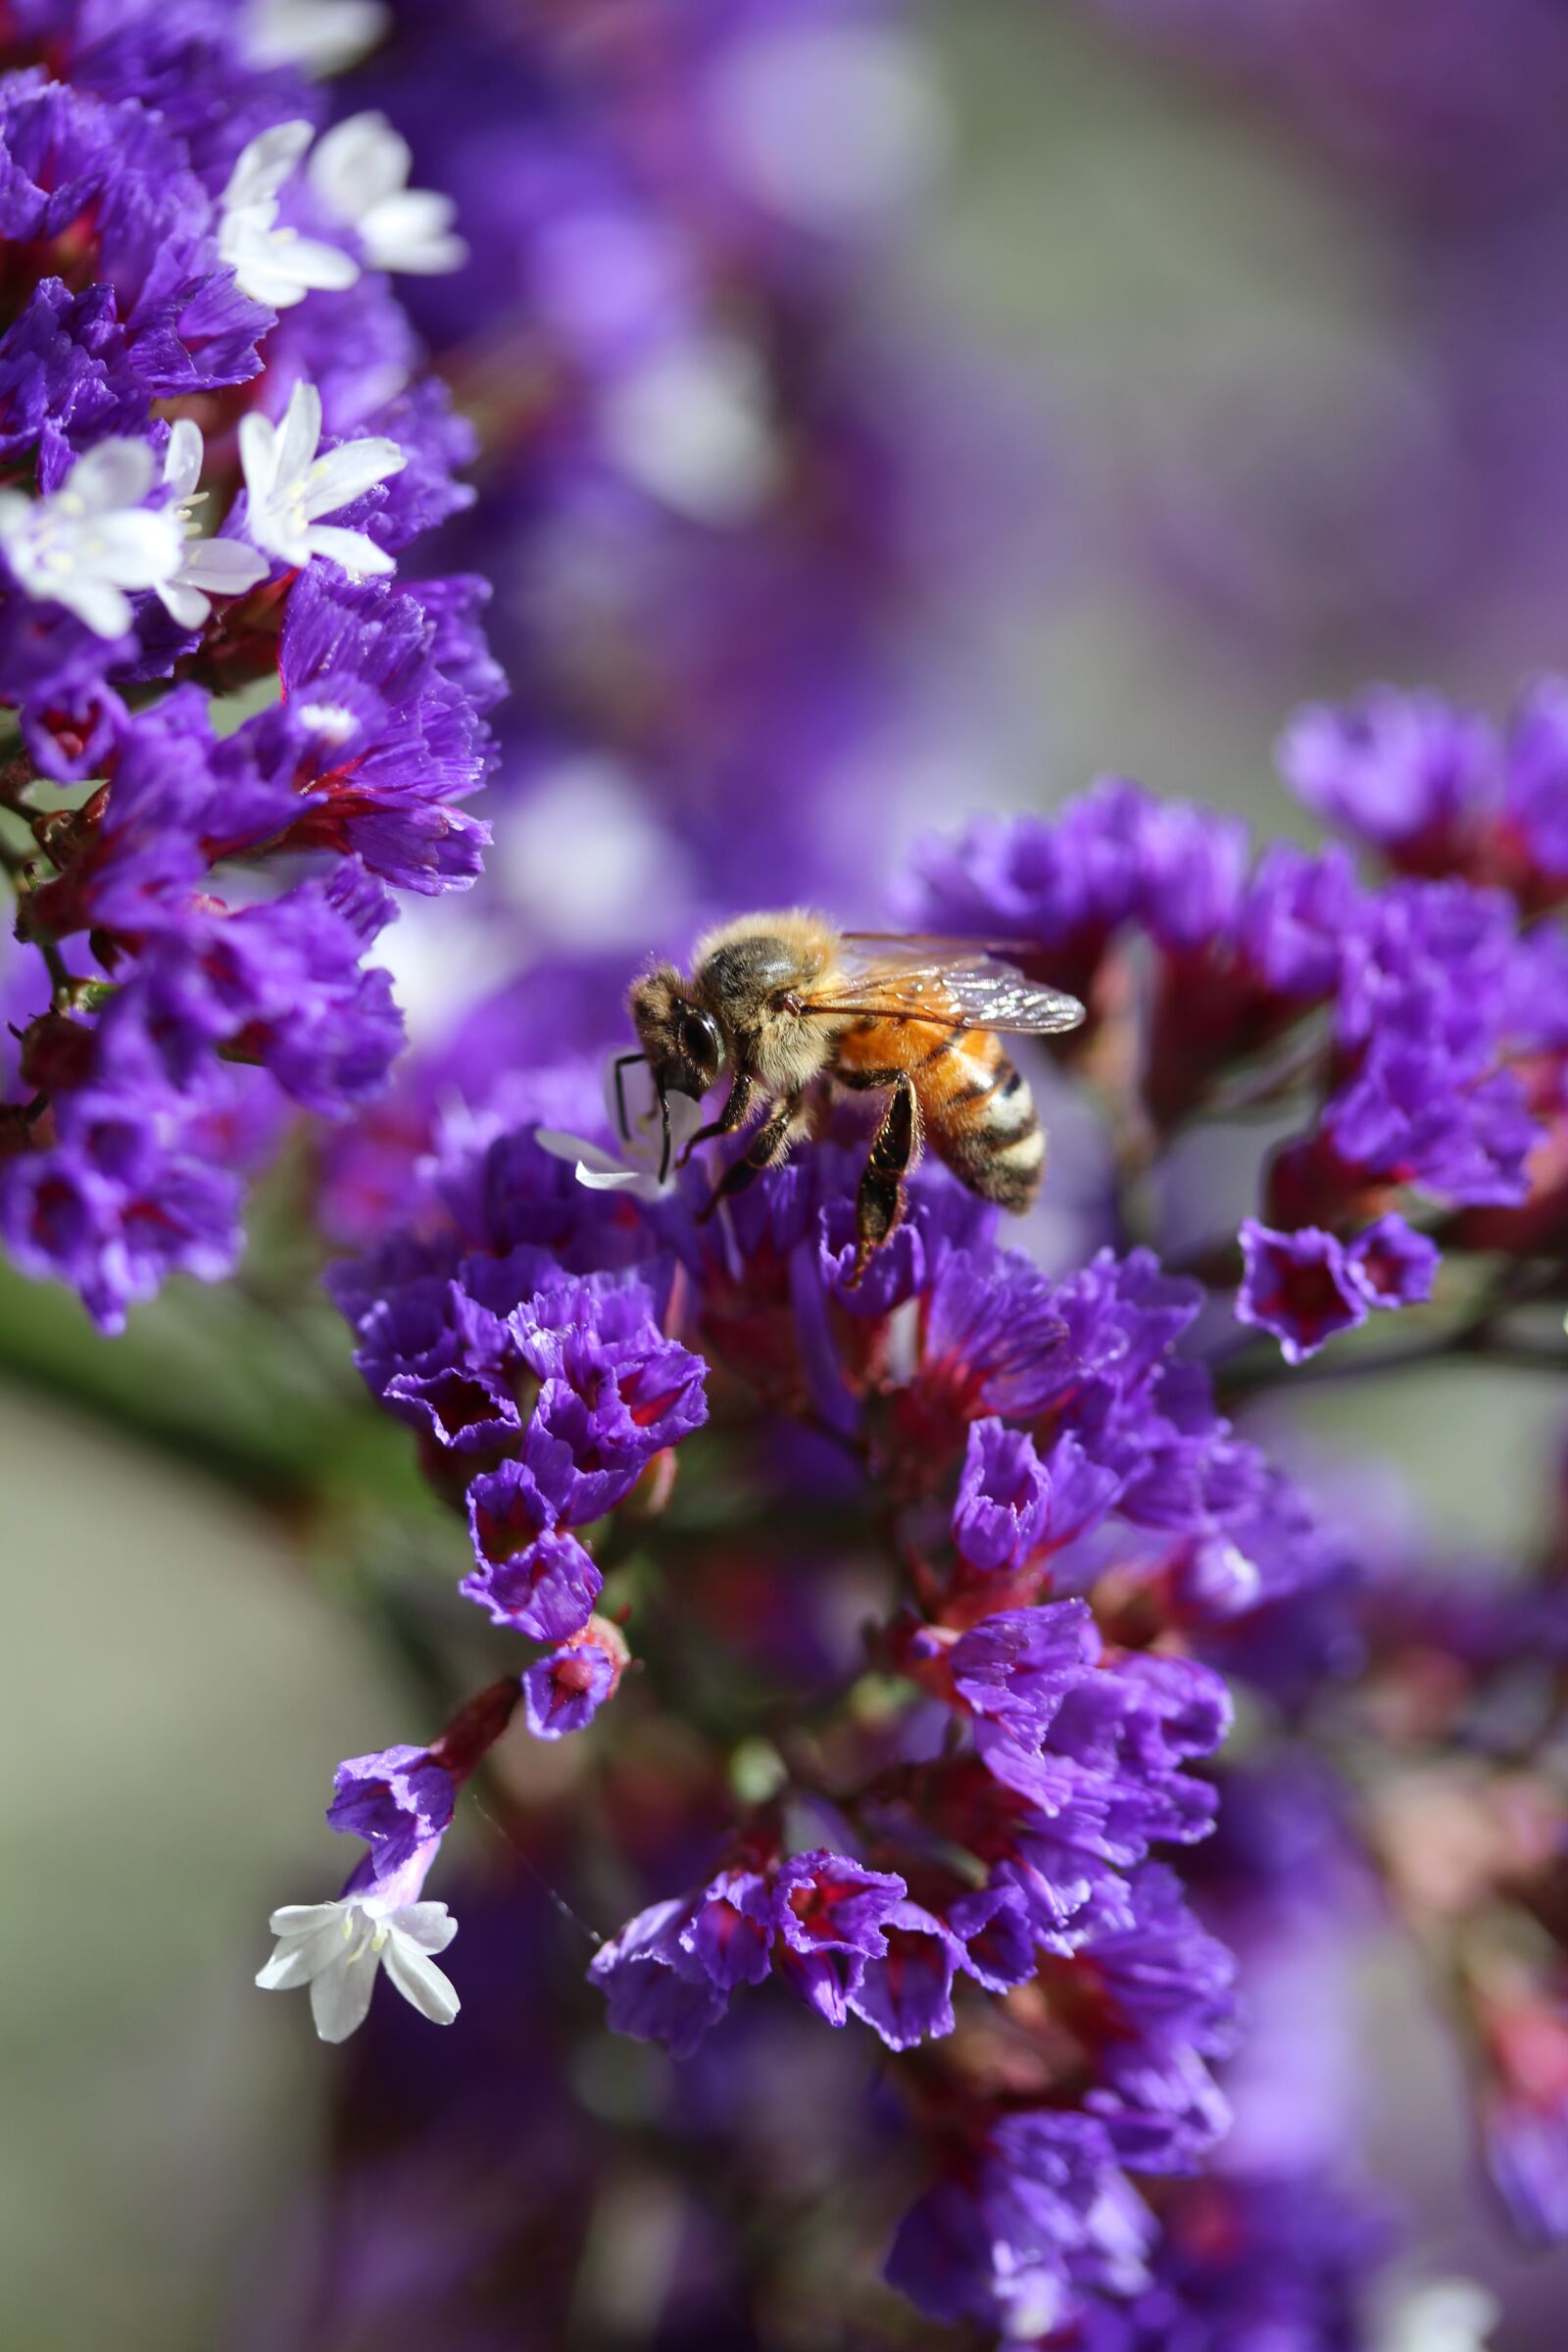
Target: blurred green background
x=181 y=1676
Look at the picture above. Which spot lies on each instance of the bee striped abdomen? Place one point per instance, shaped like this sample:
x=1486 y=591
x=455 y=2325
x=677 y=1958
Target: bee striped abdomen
x=980 y=1118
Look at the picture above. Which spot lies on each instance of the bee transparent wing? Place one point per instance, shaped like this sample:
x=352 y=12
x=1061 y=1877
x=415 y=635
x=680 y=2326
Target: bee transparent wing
x=959 y=982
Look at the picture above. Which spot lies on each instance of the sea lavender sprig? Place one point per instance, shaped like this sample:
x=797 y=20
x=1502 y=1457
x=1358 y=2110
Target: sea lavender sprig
x=1023 y=1445
x=233 y=733
x=971 y=1823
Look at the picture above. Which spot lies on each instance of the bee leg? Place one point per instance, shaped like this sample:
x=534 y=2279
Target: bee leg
x=622 y=1063
x=879 y=1202
x=736 y=1104
x=770 y=1144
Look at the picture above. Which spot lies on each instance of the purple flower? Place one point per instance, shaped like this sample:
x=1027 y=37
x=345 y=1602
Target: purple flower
x=655 y=1991
x=1402 y=771
x=530 y=1575
x=1394 y=1264
x=1300 y=1285
x=374 y=737
x=120 y=1201
x=564 y=1690
x=998 y=1942
x=152 y=236
x=1295 y=919
x=732 y=1928
x=669 y=1973
x=830 y=1914
x=995 y=1341
x=1442 y=792
x=906 y=1993
x=1536 y=807
x=1004 y=1498
x=398 y=1799
x=1017 y=1665
x=614 y=1387
x=1034 y=2216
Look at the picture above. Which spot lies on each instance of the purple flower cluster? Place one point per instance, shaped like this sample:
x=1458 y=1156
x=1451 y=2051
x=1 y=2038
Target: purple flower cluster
x=541 y=1399
x=1057 y=1474
x=1417 y=1020
x=1440 y=791
x=225 y=752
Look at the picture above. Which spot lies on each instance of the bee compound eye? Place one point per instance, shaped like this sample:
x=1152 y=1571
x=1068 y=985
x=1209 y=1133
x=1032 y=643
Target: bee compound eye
x=699 y=1037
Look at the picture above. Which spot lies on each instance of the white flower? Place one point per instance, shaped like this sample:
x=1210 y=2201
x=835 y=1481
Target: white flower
x=290 y=487
x=272 y=264
x=337 y=1948
x=689 y=426
x=1438 y=2315
x=635 y=1169
x=359 y=171
x=92 y=539
x=322 y=35
x=208 y=568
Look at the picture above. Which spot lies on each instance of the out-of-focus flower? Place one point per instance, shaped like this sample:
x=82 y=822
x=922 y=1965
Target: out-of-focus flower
x=322 y=35
x=359 y=170
x=272 y=263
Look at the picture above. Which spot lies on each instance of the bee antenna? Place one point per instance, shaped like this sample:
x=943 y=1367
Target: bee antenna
x=621 y=1061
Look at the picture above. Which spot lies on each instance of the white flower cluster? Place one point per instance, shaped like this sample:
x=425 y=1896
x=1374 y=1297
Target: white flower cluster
x=96 y=539
x=358 y=176
x=93 y=540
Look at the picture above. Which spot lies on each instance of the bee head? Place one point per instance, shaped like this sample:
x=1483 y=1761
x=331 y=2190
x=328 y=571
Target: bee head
x=683 y=1045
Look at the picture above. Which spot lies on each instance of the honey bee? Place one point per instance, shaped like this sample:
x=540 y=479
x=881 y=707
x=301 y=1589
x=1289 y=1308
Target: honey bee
x=782 y=1002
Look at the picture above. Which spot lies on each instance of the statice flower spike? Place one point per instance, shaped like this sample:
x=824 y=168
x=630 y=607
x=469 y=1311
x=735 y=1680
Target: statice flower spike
x=359 y=172
x=93 y=539
x=290 y=486
x=272 y=263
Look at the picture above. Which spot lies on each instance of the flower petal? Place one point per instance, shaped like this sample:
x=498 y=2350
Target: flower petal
x=359 y=163
x=223 y=566
x=117 y=473
x=300 y=1959
x=299 y=1919
x=341 y=475
x=185 y=603
x=182 y=458
x=360 y=557
x=307 y=263
x=259 y=455
x=300 y=433
x=419 y=1981
x=340 y=1996
x=431 y=1926
x=265 y=163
